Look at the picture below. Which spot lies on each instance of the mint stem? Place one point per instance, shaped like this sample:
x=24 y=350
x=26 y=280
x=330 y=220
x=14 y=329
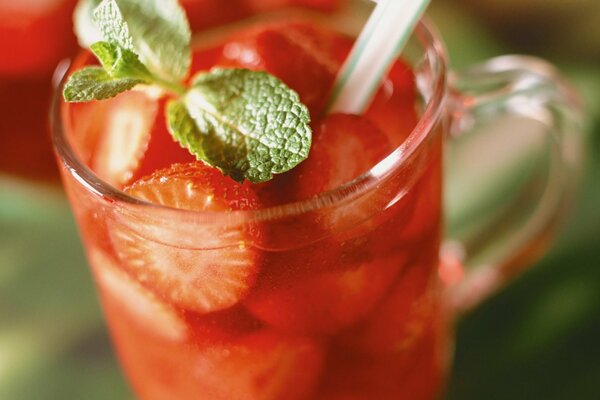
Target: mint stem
x=175 y=88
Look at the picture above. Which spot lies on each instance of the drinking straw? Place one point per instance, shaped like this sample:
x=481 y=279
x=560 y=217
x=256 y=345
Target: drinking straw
x=382 y=39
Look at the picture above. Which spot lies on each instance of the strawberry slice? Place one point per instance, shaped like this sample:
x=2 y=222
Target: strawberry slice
x=126 y=126
x=162 y=150
x=122 y=295
x=393 y=110
x=111 y=136
x=203 y=59
x=265 y=5
x=414 y=373
x=414 y=218
x=204 y=14
x=401 y=318
x=263 y=365
x=220 y=327
x=322 y=303
x=344 y=147
x=319 y=257
x=418 y=219
x=425 y=218
x=410 y=370
x=160 y=254
x=301 y=55
x=260 y=366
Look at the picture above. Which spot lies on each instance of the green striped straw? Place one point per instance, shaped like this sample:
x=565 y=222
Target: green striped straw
x=382 y=39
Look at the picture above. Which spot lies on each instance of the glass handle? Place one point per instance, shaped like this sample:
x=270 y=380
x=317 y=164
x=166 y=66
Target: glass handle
x=513 y=165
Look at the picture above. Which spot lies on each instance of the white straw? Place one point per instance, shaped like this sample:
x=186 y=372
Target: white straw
x=382 y=39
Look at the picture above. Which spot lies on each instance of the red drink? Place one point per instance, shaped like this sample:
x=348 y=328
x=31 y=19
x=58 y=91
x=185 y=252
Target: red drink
x=319 y=284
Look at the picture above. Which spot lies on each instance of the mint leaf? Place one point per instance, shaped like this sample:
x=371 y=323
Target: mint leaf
x=94 y=83
x=248 y=124
x=156 y=30
x=120 y=62
x=111 y=22
x=183 y=128
x=83 y=20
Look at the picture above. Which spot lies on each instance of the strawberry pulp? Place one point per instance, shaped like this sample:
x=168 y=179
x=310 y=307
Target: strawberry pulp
x=337 y=302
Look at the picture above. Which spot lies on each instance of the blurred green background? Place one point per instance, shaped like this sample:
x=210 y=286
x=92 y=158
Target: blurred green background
x=537 y=339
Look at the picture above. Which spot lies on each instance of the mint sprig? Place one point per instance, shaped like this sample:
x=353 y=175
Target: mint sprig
x=93 y=83
x=157 y=29
x=83 y=21
x=120 y=62
x=248 y=124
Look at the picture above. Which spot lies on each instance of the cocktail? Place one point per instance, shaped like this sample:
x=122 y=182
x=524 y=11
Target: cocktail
x=323 y=282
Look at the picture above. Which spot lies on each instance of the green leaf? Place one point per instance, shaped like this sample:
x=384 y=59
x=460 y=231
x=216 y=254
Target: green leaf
x=111 y=22
x=83 y=21
x=120 y=62
x=94 y=83
x=183 y=128
x=156 y=30
x=248 y=124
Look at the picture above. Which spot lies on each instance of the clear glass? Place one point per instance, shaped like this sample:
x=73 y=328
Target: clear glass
x=348 y=299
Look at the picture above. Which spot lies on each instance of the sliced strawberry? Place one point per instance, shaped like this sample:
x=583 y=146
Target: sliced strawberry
x=265 y=5
x=393 y=109
x=264 y=365
x=277 y=191
x=36 y=35
x=412 y=370
x=220 y=327
x=423 y=221
x=356 y=377
x=327 y=5
x=322 y=303
x=322 y=256
x=415 y=217
x=301 y=55
x=414 y=373
x=325 y=255
x=111 y=136
x=122 y=295
x=206 y=57
x=83 y=129
x=162 y=150
x=261 y=366
x=344 y=147
x=161 y=253
x=401 y=318
x=204 y=14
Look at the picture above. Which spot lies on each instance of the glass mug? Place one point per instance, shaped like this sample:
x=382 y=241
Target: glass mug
x=355 y=294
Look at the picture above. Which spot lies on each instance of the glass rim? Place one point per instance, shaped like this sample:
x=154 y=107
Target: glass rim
x=425 y=35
